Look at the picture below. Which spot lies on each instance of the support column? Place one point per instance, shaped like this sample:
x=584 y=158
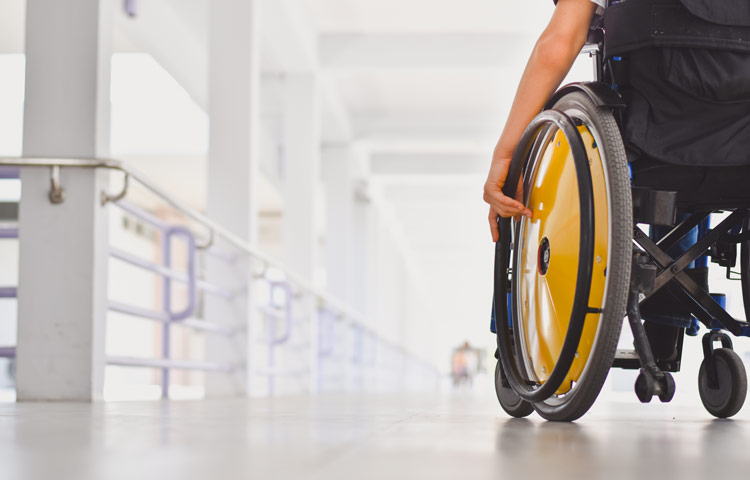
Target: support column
x=362 y=236
x=301 y=179
x=372 y=248
x=347 y=242
x=301 y=172
x=348 y=224
x=337 y=166
x=362 y=253
x=63 y=250
x=340 y=190
x=234 y=82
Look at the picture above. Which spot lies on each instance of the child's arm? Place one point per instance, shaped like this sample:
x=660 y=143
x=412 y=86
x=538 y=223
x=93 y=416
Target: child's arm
x=551 y=59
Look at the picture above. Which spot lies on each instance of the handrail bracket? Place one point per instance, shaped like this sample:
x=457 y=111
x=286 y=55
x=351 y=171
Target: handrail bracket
x=106 y=197
x=56 y=191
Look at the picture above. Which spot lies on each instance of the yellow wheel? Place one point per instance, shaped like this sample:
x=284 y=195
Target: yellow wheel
x=547 y=291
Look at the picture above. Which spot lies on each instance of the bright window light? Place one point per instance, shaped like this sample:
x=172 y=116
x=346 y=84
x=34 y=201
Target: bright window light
x=10 y=190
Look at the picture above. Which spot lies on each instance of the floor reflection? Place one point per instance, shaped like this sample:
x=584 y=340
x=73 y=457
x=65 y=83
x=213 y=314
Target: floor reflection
x=688 y=444
x=366 y=437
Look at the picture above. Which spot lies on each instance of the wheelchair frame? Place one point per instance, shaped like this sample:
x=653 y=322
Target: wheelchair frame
x=653 y=269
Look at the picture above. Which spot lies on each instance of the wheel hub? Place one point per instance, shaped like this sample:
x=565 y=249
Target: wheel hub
x=543 y=256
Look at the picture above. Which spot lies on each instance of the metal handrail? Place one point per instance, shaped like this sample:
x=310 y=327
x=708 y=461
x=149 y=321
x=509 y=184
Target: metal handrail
x=214 y=229
x=195 y=215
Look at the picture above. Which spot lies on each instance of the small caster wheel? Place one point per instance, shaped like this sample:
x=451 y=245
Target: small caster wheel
x=513 y=405
x=726 y=397
x=645 y=387
x=668 y=388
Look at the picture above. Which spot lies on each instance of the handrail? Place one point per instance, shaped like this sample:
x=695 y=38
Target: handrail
x=214 y=229
x=7 y=352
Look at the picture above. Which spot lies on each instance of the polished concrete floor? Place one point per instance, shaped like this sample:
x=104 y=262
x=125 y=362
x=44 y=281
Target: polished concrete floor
x=364 y=437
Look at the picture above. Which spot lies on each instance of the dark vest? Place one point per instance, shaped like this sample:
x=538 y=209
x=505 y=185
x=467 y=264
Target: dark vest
x=719 y=24
x=683 y=69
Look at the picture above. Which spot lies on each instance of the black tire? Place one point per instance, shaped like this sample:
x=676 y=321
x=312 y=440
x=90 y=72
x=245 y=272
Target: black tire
x=602 y=124
x=509 y=400
x=669 y=388
x=645 y=386
x=726 y=400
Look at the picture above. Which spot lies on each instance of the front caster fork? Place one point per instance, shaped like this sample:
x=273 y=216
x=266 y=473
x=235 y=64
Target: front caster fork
x=708 y=354
x=652 y=381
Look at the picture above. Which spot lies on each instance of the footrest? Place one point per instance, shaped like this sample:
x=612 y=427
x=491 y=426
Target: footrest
x=627 y=359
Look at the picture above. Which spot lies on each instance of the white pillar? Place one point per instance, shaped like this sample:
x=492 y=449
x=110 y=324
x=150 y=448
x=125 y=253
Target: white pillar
x=234 y=81
x=348 y=239
x=64 y=248
x=372 y=247
x=348 y=232
x=362 y=231
x=337 y=166
x=338 y=176
x=301 y=172
x=301 y=143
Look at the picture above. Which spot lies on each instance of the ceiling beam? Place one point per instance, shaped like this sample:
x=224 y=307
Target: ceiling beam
x=289 y=44
x=159 y=31
x=336 y=125
x=428 y=164
x=289 y=39
x=403 y=132
x=450 y=50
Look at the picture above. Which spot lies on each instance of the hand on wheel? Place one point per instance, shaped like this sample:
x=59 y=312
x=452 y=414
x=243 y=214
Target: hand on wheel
x=500 y=204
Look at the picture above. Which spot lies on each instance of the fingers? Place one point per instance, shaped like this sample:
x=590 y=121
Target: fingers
x=493 y=226
x=519 y=197
x=506 y=206
x=493 y=219
x=511 y=204
x=502 y=204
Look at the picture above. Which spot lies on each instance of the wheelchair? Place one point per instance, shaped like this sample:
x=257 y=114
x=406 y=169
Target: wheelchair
x=590 y=257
